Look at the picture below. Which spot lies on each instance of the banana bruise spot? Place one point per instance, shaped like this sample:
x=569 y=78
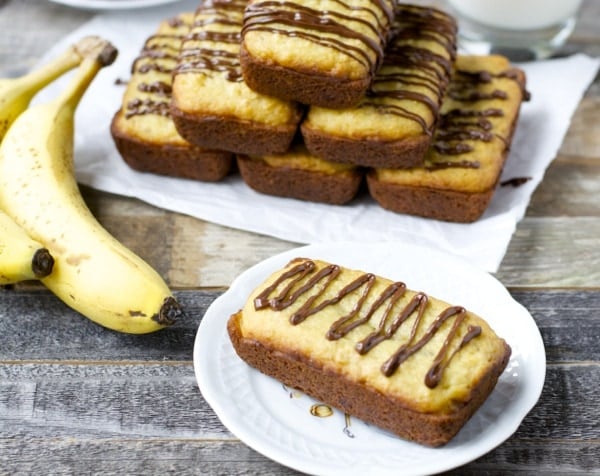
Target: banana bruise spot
x=42 y=263
x=170 y=312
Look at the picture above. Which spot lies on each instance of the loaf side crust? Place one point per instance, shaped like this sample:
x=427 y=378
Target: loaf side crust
x=446 y=205
x=182 y=160
x=306 y=87
x=404 y=153
x=302 y=184
x=313 y=378
x=233 y=134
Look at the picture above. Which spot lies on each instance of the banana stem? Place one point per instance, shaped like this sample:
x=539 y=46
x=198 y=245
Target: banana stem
x=97 y=56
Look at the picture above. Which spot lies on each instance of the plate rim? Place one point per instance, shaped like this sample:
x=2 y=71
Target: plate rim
x=112 y=4
x=530 y=391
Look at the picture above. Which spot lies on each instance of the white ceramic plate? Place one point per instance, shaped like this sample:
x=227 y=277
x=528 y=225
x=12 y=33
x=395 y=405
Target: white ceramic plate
x=112 y=4
x=276 y=421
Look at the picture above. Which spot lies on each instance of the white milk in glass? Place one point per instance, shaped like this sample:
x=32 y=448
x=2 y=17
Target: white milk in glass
x=540 y=26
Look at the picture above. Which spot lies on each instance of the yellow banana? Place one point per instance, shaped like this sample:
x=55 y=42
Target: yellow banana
x=21 y=258
x=16 y=93
x=93 y=272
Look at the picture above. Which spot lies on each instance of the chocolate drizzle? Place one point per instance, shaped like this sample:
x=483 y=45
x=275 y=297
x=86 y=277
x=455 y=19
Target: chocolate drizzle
x=466 y=122
x=304 y=277
x=334 y=28
x=159 y=55
x=411 y=71
x=215 y=22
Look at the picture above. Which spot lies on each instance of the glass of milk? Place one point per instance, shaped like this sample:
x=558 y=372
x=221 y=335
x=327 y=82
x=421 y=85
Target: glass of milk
x=520 y=29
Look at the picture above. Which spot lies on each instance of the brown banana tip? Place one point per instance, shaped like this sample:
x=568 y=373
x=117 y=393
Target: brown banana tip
x=170 y=312
x=97 y=48
x=42 y=263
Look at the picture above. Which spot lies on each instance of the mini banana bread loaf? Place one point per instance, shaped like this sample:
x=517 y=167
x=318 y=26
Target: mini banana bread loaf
x=471 y=143
x=393 y=123
x=143 y=130
x=322 y=52
x=399 y=359
x=298 y=174
x=212 y=106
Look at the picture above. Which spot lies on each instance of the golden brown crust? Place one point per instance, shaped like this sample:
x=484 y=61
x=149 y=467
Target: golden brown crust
x=274 y=334
x=447 y=205
x=174 y=160
x=234 y=134
x=299 y=183
x=402 y=153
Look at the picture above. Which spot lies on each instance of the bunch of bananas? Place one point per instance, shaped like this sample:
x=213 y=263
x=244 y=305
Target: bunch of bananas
x=47 y=232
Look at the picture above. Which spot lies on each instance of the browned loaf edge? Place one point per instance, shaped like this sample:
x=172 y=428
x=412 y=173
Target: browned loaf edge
x=306 y=87
x=428 y=202
x=313 y=378
x=302 y=184
x=234 y=134
x=184 y=161
x=447 y=205
x=404 y=153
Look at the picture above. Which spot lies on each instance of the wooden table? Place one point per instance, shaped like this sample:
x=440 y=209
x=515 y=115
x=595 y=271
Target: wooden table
x=78 y=399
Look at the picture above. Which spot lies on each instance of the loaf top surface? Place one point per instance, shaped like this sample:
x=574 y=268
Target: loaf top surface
x=322 y=313
x=339 y=38
x=478 y=118
x=405 y=96
x=208 y=79
x=144 y=114
x=298 y=157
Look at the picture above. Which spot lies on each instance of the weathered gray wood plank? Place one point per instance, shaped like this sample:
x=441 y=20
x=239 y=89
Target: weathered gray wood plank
x=37 y=326
x=553 y=252
x=63 y=410
x=96 y=399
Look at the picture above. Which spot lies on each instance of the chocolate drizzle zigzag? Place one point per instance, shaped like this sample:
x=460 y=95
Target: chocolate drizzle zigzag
x=306 y=279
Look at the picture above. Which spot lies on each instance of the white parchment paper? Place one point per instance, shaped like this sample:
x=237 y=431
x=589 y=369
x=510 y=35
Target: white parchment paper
x=556 y=86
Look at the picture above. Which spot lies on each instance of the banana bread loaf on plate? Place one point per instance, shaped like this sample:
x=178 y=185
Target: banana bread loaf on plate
x=399 y=359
